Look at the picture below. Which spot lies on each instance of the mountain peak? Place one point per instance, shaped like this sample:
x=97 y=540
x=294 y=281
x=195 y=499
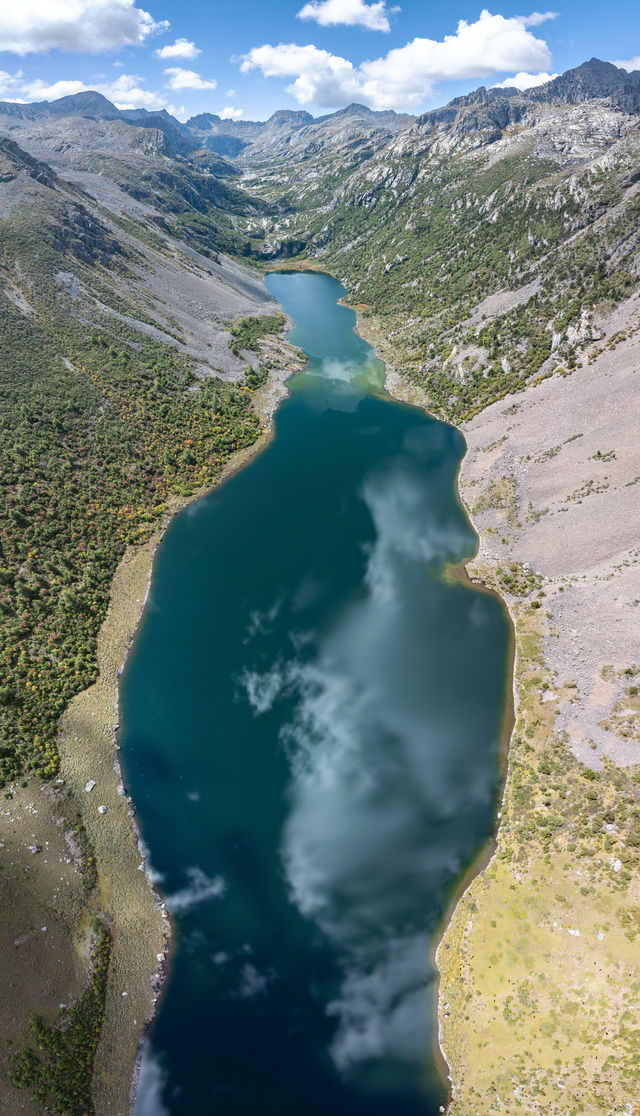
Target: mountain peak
x=293 y=117
x=87 y=103
x=593 y=80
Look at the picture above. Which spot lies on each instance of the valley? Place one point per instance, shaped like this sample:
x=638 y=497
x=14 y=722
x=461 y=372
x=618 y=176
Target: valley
x=490 y=249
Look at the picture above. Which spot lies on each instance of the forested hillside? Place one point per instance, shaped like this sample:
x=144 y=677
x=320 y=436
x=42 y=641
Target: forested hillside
x=107 y=411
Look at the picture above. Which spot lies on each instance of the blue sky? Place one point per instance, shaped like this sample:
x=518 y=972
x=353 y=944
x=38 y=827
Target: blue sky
x=244 y=59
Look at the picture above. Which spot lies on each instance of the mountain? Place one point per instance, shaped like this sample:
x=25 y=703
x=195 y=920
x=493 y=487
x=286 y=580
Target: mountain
x=493 y=110
x=594 y=80
x=207 y=130
x=93 y=106
x=537 y=191
x=288 y=130
x=89 y=104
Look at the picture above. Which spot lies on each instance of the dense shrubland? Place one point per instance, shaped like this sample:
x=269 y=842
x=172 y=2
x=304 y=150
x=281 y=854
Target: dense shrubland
x=59 y=1068
x=247 y=332
x=100 y=428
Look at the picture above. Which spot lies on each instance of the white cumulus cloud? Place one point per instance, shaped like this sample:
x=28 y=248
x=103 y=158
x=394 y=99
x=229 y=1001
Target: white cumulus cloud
x=536 y=18
x=320 y=76
x=252 y=983
x=263 y=689
x=374 y=776
x=126 y=92
x=524 y=81
x=350 y=13
x=187 y=79
x=93 y=26
x=628 y=64
x=182 y=48
x=231 y=113
x=9 y=83
x=406 y=76
x=39 y=90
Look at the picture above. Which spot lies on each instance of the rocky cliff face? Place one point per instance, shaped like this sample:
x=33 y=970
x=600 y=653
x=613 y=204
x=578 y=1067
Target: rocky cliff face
x=488 y=113
x=593 y=81
x=13 y=160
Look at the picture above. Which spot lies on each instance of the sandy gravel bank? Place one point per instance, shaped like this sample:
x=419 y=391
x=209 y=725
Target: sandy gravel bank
x=139 y=931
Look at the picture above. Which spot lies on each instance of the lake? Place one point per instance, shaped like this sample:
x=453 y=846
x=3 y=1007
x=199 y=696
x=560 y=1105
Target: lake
x=311 y=722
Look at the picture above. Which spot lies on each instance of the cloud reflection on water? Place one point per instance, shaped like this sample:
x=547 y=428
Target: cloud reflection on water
x=200 y=889
x=340 y=383
x=381 y=776
x=151 y=1084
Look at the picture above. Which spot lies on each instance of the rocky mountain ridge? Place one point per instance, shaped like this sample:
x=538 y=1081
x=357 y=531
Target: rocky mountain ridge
x=492 y=111
x=206 y=130
x=297 y=134
x=500 y=191
x=520 y=182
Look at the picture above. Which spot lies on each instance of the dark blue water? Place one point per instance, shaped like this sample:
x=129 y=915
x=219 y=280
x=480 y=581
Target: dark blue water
x=311 y=719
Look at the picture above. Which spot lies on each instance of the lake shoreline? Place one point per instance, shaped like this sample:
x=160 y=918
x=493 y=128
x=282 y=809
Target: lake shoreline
x=124 y=895
x=274 y=392
x=266 y=401
x=542 y=541
x=122 y=859
x=403 y=391
x=144 y=678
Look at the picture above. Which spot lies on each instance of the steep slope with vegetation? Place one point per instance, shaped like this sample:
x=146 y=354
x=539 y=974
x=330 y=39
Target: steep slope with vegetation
x=103 y=423
x=533 y=197
x=540 y=988
x=125 y=389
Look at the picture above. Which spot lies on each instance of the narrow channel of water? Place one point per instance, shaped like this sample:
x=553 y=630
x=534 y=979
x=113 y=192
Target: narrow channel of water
x=310 y=724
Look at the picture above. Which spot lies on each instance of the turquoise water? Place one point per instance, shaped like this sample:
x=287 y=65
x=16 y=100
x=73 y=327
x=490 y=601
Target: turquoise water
x=311 y=720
